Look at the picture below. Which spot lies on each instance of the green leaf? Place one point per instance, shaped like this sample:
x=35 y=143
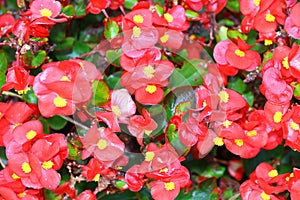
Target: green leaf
x=128 y=4
x=113 y=81
x=180 y=57
x=159 y=9
x=233 y=5
x=65 y=44
x=50 y=195
x=111 y=29
x=3 y=62
x=249 y=97
x=30 y=97
x=46 y=127
x=174 y=140
x=2 y=79
x=80 y=48
x=69 y=10
x=191 y=74
x=206 y=190
x=191 y=14
x=100 y=93
x=80 y=7
x=297 y=90
x=226 y=22
x=120 y=184
x=38 y=58
x=57 y=122
x=222 y=34
x=74 y=147
x=113 y=56
x=3 y=157
x=210 y=172
x=28 y=56
x=235 y=34
x=237 y=84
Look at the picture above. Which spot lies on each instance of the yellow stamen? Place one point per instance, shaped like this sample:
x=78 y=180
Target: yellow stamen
x=102 y=144
x=165 y=170
x=218 y=141
x=224 y=96
x=23 y=91
x=116 y=110
x=30 y=134
x=96 y=178
x=277 y=117
x=227 y=123
x=256 y=2
x=270 y=18
x=151 y=89
x=252 y=133
x=149 y=71
x=136 y=32
x=138 y=19
x=21 y=195
x=47 y=165
x=26 y=167
x=149 y=156
x=285 y=62
x=239 y=53
x=294 y=126
x=268 y=42
x=273 y=173
x=59 y=102
x=147 y=132
x=265 y=196
x=239 y=142
x=15 y=176
x=45 y=12
x=65 y=78
x=168 y=17
x=164 y=38
x=170 y=186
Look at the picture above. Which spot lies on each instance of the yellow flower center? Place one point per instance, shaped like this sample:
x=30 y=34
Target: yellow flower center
x=23 y=91
x=168 y=17
x=256 y=2
x=239 y=53
x=47 y=165
x=96 y=178
x=149 y=71
x=65 y=78
x=138 y=19
x=239 y=142
x=151 y=89
x=285 y=62
x=170 y=186
x=21 y=195
x=15 y=176
x=136 y=32
x=116 y=110
x=147 y=132
x=26 y=167
x=149 y=156
x=165 y=170
x=277 y=117
x=164 y=38
x=45 y=12
x=30 y=134
x=218 y=141
x=265 y=196
x=268 y=42
x=273 y=173
x=59 y=102
x=204 y=104
x=294 y=126
x=102 y=144
x=227 y=123
x=270 y=18
x=224 y=96
x=16 y=125
x=252 y=133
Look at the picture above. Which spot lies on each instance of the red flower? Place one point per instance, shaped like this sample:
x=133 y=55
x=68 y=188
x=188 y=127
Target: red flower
x=65 y=188
x=141 y=124
x=292 y=25
x=134 y=179
x=95 y=6
x=7 y=22
x=194 y=4
x=95 y=169
x=86 y=195
x=103 y=144
x=42 y=8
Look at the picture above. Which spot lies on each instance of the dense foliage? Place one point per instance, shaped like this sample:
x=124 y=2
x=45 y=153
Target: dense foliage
x=175 y=99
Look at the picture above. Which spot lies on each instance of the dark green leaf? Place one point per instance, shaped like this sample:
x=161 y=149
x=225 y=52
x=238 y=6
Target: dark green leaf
x=57 y=122
x=2 y=80
x=3 y=158
x=46 y=126
x=38 y=58
x=237 y=84
x=191 y=74
x=113 y=56
x=80 y=48
x=50 y=195
x=30 y=97
x=113 y=81
x=65 y=44
x=100 y=93
x=111 y=29
x=210 y=172
x=3 y=62
x=233 y=5
x=69 y=10
x=249 y=97
x=128 y=4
